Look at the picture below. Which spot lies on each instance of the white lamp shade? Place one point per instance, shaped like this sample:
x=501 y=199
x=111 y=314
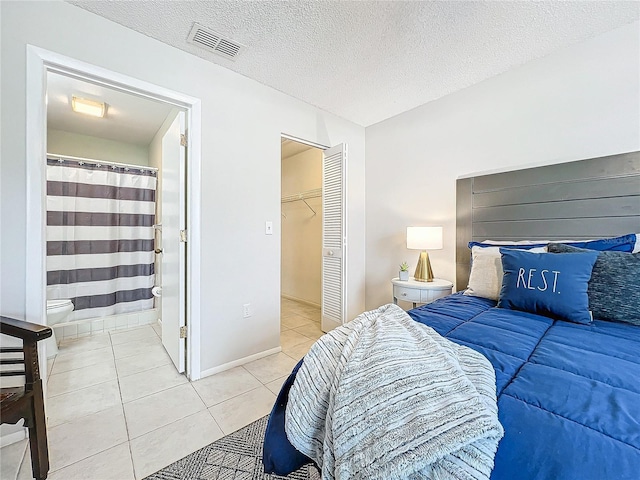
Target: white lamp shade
x=424 y=238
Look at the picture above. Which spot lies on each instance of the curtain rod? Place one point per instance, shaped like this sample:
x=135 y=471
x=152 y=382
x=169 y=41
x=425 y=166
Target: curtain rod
x=100 y=162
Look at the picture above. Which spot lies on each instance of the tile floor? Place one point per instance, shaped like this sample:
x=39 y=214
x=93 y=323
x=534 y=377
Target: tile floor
x=118 y=410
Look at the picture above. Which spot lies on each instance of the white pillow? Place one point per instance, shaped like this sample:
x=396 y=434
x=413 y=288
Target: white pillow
x=485 y=279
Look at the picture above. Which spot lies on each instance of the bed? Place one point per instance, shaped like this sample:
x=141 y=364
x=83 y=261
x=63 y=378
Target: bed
x=568 y=387
x=568 y=394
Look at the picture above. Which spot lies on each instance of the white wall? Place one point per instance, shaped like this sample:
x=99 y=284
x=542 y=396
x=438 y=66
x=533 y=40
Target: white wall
x=5 y=341
x=1 y=181
x=86 y=146
x=579 y=102
x=301 y=275
x=242 y=123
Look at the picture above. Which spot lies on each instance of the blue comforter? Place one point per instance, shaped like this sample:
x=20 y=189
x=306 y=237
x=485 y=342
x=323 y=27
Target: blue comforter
x=568 y=394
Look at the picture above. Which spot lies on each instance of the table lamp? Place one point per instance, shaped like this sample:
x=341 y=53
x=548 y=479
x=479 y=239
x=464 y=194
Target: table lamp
x=424 y=238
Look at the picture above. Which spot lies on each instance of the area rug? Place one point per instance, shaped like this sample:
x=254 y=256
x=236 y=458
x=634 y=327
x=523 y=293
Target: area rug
x=237 y=456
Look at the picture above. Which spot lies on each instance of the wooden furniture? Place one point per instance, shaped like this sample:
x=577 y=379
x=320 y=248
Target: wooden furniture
x=26 y=401
x=420 y=292
x=593 y=198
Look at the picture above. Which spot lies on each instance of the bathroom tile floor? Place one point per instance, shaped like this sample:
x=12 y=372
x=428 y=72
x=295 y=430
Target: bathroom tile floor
x=117 y=408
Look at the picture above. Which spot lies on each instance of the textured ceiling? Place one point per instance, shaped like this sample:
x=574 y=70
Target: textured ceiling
x=370 y=60
x=129 y=118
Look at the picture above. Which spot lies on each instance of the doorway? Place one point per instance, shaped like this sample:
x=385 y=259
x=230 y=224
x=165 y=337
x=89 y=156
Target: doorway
x=313 y=220
x=114 y=163
x=41 y=63
x=301 y=219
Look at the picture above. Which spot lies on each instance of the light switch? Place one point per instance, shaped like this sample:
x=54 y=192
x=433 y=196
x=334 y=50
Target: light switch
x=268 y=228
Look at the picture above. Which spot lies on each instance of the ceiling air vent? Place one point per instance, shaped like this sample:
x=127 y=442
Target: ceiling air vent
x=214 y=42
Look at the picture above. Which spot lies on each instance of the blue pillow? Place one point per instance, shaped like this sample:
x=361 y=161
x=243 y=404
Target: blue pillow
x=517 y=246
x=551 y=285
x=623 y=243
x=613 y=289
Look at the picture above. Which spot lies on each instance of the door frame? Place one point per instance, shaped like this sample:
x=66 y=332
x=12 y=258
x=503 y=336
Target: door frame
x=41 y=61
x=305 y=142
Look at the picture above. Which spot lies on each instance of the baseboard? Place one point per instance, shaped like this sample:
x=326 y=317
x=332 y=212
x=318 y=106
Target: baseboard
x=240 y=361
x=300 y=300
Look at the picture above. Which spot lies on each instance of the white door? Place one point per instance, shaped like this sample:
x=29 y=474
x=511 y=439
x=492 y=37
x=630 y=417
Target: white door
x=333 y=237
x=173 y=273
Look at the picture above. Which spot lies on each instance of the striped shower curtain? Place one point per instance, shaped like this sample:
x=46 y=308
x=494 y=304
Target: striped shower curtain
x=100 y=236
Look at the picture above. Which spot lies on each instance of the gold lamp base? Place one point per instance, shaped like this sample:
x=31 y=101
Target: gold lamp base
x=423 y=269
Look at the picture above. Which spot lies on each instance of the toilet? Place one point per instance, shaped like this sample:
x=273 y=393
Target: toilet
x=57 y=312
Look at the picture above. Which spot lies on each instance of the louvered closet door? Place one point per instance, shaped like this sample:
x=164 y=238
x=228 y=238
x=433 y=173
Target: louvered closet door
x=333 y=237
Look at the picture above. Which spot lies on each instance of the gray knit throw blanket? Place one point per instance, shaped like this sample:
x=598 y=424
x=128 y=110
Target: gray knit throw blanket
x=385 y=397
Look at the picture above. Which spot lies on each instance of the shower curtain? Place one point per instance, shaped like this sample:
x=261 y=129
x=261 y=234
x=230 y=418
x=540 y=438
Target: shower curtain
x=100 y=236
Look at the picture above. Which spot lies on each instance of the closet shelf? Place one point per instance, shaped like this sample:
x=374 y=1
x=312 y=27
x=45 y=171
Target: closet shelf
x=302 y=196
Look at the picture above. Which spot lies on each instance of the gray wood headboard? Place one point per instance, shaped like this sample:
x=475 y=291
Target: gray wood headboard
x=593 y=198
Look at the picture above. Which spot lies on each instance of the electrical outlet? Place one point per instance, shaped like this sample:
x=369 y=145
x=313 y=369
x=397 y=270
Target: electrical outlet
x=246 y=310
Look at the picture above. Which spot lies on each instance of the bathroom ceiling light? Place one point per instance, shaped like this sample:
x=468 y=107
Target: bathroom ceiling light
x=88 y=107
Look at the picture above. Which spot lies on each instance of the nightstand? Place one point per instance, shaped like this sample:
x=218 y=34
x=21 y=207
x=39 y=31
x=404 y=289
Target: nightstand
x=420 y=292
